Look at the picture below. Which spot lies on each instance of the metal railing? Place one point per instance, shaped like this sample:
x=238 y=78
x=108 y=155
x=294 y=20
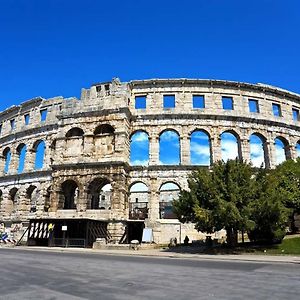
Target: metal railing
x=67 y=242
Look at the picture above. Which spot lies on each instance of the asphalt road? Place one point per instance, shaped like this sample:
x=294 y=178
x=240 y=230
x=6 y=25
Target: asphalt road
x=49 y=275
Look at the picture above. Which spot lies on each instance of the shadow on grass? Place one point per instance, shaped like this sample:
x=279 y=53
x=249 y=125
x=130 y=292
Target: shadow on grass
x=290 y=246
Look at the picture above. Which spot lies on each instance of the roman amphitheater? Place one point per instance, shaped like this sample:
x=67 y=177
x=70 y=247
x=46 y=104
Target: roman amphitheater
x=109 y=164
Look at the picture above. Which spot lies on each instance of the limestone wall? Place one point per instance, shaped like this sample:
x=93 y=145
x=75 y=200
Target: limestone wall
x=87 y=145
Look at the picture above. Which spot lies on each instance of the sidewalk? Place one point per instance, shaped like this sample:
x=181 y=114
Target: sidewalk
x=160 y=253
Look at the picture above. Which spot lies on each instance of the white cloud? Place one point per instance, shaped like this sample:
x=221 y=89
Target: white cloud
x=139 y=137
x=139 y=162
x=257 y=154
x=229 y=149
x=169 y=136
x=200 y=149
x=169 y=186
x=139 y=187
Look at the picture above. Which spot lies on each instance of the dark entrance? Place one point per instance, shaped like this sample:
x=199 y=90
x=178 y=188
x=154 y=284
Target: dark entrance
x=135 y=231
x=77 y=233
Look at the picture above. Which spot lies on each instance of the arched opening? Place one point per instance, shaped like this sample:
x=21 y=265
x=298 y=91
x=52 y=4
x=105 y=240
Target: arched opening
x=13 y=197
x=76 y=131
x=282 y=151
x=47 y=199
x=258 y=151
x=70 y=193
x=104 y=129
x=99 y=194
x=74 y=142
x=1 y=198
x=168 y=192
x=169 y=148
x=230 y=146
x=104 y=140
x=139 y=149
x=32 y=196
x=298 y=149
x=138 y=201
x=21 y=151
x=200 y=148
x=7 y=159
x=39 y=149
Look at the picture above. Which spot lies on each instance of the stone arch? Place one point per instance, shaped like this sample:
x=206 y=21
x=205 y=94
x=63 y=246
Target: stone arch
x=1 y=198
x=69 y=195
x=282 y=150
x=74 y=132
x=168 y=191
x=258 y=150
x=13 y=197
x=99 y=194
x=32 y=197
x=169 y=147
x=104 y=129
x=139 y=148
x=104 y=140
x=297 y=147
x=47 y=198
x=138 y=200
x=230 y=145
x=74 y=142
x=21 y=151
x=7 y=159
x=200 y=147
x=39 y=148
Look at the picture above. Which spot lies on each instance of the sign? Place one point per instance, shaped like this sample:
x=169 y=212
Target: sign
x=147 y=235
x=64 y=228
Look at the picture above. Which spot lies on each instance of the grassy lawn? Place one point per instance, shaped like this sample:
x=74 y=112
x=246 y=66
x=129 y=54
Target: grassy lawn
x=289 y=246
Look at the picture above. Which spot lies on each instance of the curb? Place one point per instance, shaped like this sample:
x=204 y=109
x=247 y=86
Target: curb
x=160 y=254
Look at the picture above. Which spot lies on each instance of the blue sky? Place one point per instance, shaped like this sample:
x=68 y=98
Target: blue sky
x=51 y=48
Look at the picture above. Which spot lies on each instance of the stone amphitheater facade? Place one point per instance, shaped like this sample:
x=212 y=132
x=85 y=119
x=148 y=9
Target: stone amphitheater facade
x=87 y=146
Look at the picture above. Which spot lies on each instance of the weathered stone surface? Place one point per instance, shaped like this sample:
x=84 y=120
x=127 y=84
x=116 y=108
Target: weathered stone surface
x=88 y=147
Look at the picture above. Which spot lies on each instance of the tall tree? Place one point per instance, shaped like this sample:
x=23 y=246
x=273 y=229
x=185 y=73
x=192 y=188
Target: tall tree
x=287 y=176
x=219 y=198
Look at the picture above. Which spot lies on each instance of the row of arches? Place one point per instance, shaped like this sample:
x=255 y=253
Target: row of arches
x=99 y=196
x=28 y=198
x=99 y=130
x=21 y=152
x=201 y=149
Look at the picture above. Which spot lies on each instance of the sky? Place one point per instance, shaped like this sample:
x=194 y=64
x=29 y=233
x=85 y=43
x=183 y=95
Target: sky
x=52 y=47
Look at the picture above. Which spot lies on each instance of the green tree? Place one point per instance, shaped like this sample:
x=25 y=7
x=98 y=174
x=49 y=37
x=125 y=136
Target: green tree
x=267 y=210
x=287 y=176
x=219 y=198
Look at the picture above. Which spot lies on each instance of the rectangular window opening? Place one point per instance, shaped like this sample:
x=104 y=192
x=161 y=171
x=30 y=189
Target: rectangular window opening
x=198 y=101
x=227 y=103
x=253 y=106
x=276 y=110
x=295 y=114
x=140 y=102
x=43 y=115
x=169 y=101
x=12 y=124
x=26 y=119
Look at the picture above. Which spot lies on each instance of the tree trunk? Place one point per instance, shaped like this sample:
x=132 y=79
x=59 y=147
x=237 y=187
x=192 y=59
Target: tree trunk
x=232 y=237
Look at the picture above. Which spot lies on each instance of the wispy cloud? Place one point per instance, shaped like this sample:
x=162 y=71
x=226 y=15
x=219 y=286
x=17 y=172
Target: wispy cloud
x=138 y=162
x=229 y=149
x=139 y=187
x=140 y=137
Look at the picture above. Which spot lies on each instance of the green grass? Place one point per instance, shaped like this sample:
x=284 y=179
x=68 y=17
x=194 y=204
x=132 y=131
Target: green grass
x=288 y=246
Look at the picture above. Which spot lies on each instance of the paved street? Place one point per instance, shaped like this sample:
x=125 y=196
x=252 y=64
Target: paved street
x=54 y=275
